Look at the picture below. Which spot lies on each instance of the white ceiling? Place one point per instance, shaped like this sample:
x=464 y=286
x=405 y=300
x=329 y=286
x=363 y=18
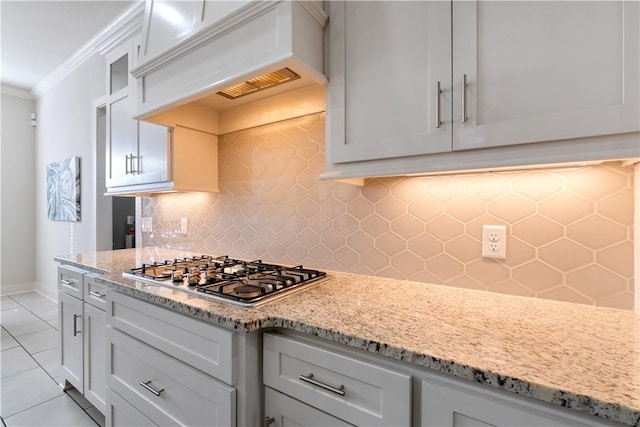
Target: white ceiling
x=39 y=36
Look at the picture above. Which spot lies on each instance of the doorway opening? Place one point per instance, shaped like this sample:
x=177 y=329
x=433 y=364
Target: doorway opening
x=123 y=222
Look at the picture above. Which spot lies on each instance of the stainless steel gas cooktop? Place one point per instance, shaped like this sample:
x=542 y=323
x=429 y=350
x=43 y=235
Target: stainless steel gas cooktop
x=245 y=283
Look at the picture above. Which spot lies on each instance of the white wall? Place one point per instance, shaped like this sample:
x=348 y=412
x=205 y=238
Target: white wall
x=66 y=128
x=17 y=256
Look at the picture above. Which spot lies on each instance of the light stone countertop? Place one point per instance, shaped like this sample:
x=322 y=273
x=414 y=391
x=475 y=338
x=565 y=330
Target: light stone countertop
x=573 y=355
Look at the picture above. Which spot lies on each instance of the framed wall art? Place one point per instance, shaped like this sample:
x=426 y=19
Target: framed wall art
x=63 y=190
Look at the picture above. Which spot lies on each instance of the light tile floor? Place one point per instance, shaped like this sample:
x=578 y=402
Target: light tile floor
x=30 y=373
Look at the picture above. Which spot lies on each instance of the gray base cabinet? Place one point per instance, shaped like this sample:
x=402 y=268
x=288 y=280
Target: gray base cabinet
x=450 y=402
x=282 y=410
x=71 y=336
x=82 y=323
x=121 y=413
x=353 y=390
x=95 y=386
x=174 y=370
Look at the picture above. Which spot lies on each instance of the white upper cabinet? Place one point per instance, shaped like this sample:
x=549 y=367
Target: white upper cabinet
x=386 y=61
x=138 y=152
x=542 y=71
x=146 y=157
x=544 y=82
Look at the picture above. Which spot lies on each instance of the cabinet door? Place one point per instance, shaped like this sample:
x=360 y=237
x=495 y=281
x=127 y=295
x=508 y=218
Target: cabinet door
x=386 y=59
x=288 y=412
x=153 y=163
x=121 y=140
x=544 y=71
x=95 y=362
x=448 y=403
x=71 y=338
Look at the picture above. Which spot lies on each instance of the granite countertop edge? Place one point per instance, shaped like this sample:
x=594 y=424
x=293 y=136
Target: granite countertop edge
x=553 y=395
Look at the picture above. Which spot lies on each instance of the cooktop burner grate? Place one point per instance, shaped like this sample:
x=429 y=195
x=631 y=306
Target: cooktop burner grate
x=247 y=283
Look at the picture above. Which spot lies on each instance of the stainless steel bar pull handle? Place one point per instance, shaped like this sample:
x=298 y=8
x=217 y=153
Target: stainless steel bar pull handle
x=127 y=164
x=65 y=282
x=309 y=379
x=146 y=385
x=75 y=324
x=438 y=118
x=464 y=98
x=97 y=294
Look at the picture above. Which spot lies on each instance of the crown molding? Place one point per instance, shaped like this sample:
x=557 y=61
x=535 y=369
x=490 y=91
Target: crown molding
x=123 y=26
x=16 y=92
x=122 y=29
x=316 y=12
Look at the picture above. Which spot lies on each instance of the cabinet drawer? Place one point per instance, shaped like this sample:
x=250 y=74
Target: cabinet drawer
x=121 y=414
x=373 y=395
x=70 y=281
x=197 y=343
x=287 y=411
x=95 y=293
x=456 y=402
x=175 y=393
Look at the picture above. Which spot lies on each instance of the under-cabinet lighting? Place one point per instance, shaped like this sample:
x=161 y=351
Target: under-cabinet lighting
x=552 y=166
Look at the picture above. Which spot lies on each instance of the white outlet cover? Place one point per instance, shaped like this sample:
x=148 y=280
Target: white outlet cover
x=146 y=224
x=494 y=241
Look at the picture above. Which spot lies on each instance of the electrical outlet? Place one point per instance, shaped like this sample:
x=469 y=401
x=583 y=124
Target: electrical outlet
x=184 y=226
x=494 y=241
x=146 y=224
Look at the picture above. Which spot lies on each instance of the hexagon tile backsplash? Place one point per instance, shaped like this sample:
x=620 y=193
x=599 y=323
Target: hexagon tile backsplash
x=570 y=231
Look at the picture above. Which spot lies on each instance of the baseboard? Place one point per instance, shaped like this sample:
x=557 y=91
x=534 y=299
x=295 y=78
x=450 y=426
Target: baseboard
x=17 y=288
x=47 y=291
x=20 y=288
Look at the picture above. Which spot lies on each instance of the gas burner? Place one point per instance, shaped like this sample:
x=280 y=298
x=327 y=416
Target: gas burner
x=247 y=283
x=247 y=291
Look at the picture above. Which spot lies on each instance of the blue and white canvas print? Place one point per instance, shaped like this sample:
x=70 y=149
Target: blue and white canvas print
x=63 y=190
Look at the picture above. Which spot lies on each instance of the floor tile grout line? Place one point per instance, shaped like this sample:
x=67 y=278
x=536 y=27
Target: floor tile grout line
x=30 y=355
x=26 y=292
x=45 y=371
x=28 y=352
x=35 y=314
x=31 y=407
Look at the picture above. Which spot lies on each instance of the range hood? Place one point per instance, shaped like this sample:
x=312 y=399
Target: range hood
x=223 y=54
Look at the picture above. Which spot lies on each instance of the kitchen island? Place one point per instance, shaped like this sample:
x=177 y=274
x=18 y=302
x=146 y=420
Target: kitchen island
x=580 y=357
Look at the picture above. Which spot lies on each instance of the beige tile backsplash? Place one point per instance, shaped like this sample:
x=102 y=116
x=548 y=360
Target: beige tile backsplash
x=570 y=231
